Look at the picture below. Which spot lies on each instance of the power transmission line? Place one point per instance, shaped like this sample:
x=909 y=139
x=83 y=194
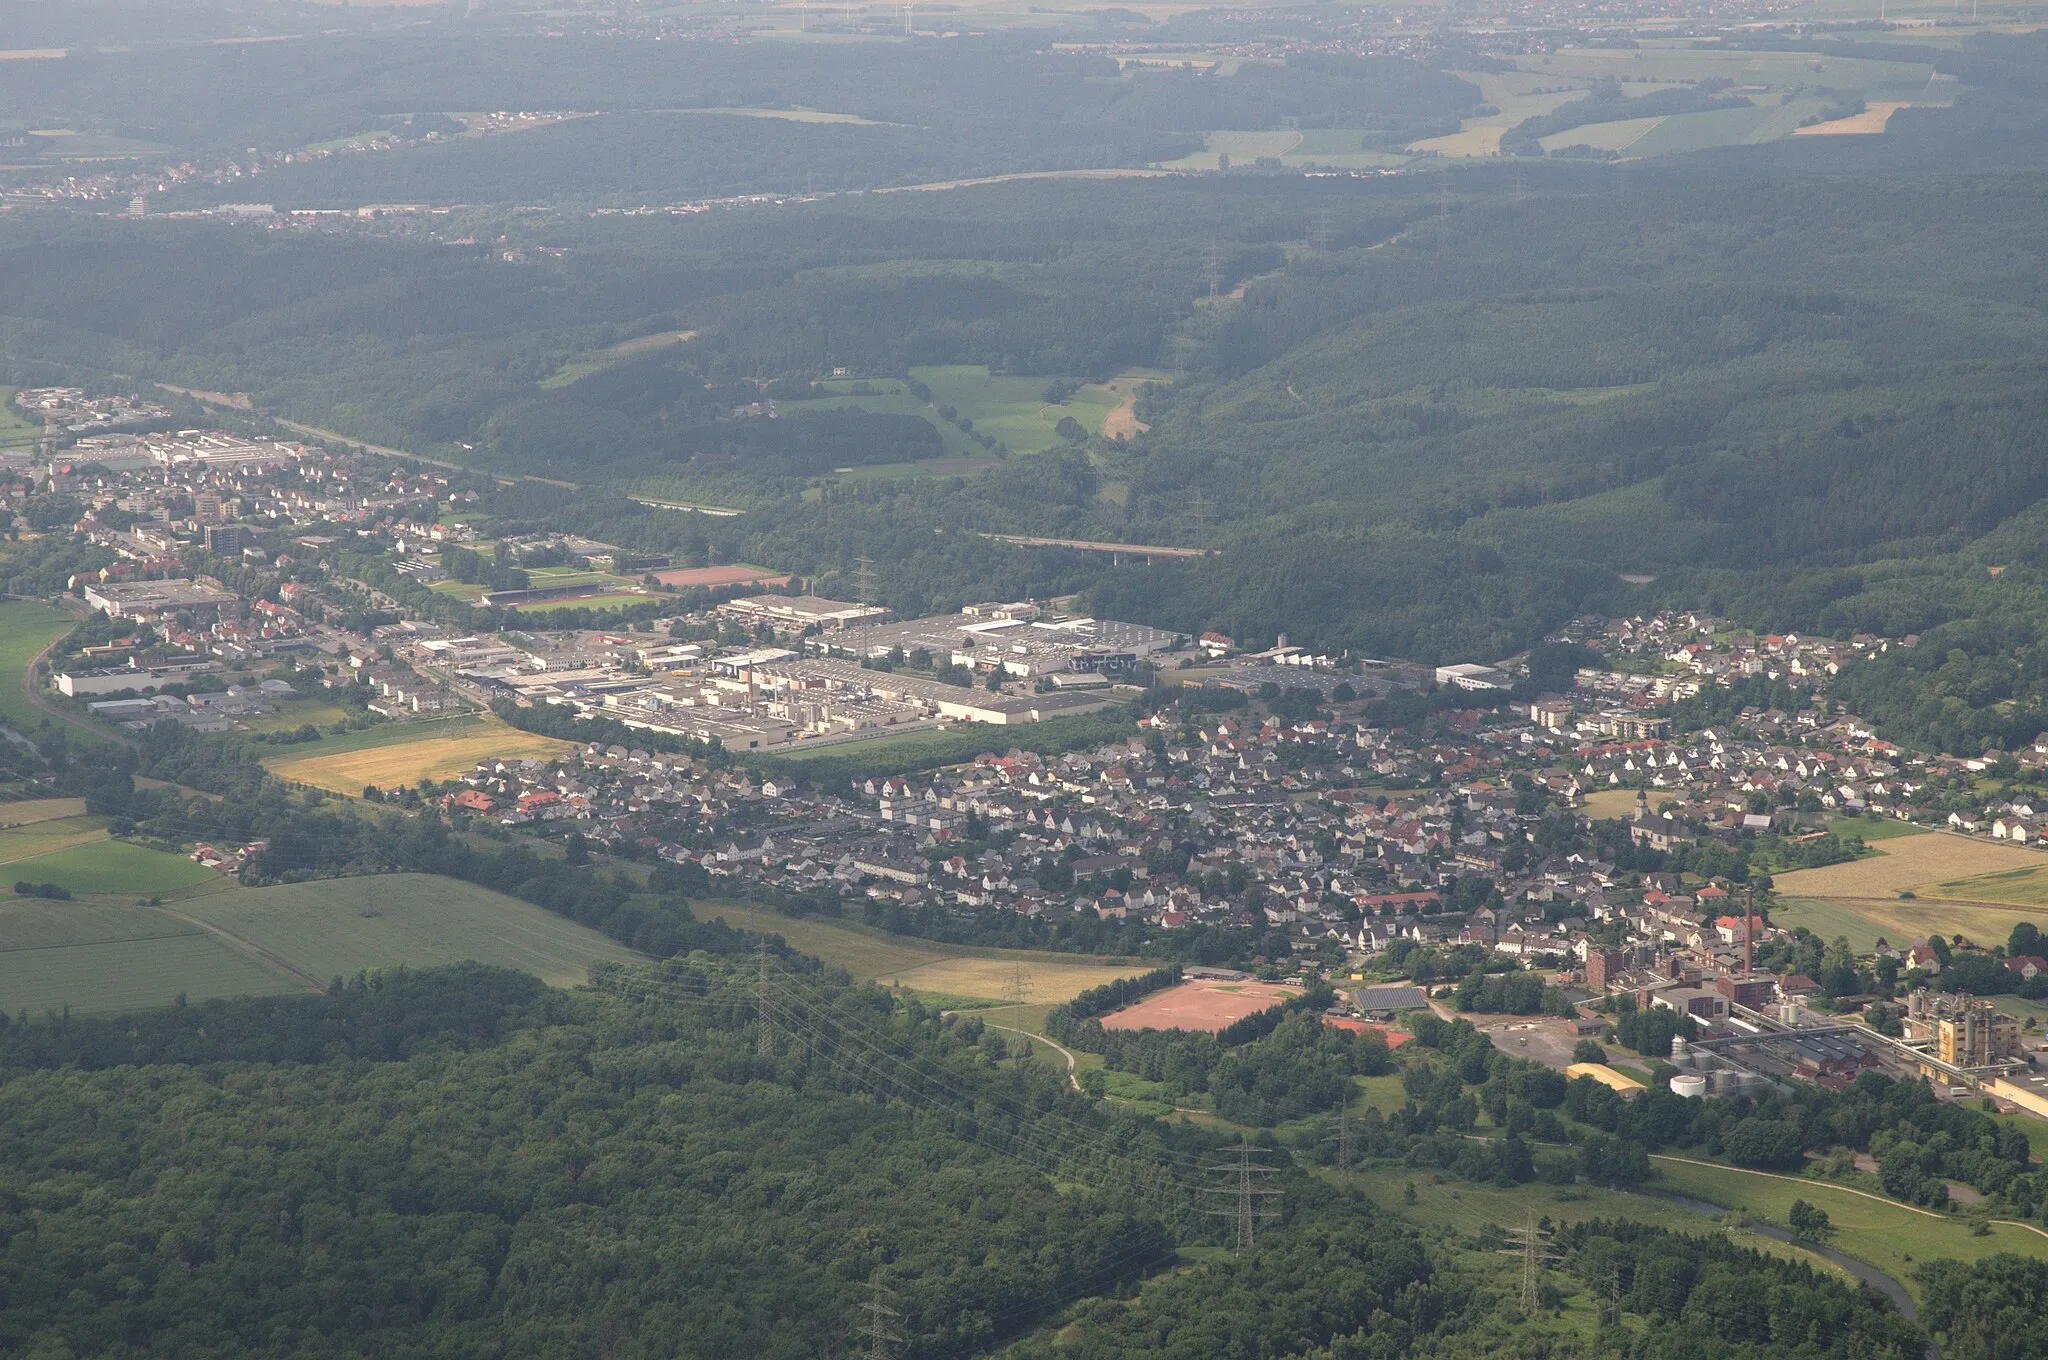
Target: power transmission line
x=1246 y=1194
x=864 y=580
x=764 y=1039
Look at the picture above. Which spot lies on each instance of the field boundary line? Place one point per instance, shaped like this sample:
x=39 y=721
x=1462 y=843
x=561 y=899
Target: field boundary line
x=235 y=941
x=1844 y=1189
x=102 y=835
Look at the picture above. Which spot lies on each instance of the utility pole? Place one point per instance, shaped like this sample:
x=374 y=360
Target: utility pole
x=764 y=1038
x=864 y=579
x=1245 y=1195
x=882 y=1343
x=1017 y=988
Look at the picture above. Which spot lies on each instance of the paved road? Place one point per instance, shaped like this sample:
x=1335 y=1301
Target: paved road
x=33 y=693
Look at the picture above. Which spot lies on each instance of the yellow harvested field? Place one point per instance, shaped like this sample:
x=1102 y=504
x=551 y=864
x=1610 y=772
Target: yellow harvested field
x=1918 y=864
x=1470 y=141
x=1867 y=123
x=409 y=762
x=994 y=978
x=40 y=810
x=1518 y=95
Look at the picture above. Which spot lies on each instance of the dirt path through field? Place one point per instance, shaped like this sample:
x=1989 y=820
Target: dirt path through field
x=241 y=945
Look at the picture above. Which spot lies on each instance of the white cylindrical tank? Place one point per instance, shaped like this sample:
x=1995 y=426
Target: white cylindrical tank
x=1691 y=1085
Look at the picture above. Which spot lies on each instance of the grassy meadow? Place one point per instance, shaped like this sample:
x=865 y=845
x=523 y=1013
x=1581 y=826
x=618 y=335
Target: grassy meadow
x=26 y=627
x=107 y=868
x=1014 y=410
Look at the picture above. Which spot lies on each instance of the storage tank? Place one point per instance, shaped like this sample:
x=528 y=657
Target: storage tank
x=1681 y=1051
x=1691 y=1085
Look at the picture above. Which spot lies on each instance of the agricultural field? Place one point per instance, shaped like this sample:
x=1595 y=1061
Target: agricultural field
x=1620 y=135
x=26 y=627
x=29 y=811
x=1911 y=864
x=106 y=868
x=1519 y=95
x=99 y=960
x=1014 y=410
x=926 y=966
x=1863 y=919
x=1698 y=131
x=342 y=926
x=409 y=754
x=46 y=836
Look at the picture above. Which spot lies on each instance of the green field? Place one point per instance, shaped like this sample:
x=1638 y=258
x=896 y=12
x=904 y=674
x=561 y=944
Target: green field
x=1014 y=410
x=1883 y=829
x=341 y=926
x=1699 y=131
x=1891 y=1237
x=41 y=838
x=1620 y=135
x=104 y=959
x=26 y=627
x=17 y=431
x=901 y=403
x=113 y=869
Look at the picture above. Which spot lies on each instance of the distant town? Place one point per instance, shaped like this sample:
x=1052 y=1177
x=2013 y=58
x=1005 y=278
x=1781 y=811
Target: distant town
x=1421 y=835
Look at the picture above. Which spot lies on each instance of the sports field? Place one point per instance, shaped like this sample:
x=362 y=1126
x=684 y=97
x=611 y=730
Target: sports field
x=104 y=959
x=952 y=971
x=113 y=869
x=345 y=925
x=433 y=754
x=1204 y=1006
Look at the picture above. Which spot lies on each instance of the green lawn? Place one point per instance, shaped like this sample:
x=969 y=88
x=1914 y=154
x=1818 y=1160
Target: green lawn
x=26 y=627
x=341 y=926
x=1891 y=1237
x=1883 y=829
x=1828 y=919
x=112 y=869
